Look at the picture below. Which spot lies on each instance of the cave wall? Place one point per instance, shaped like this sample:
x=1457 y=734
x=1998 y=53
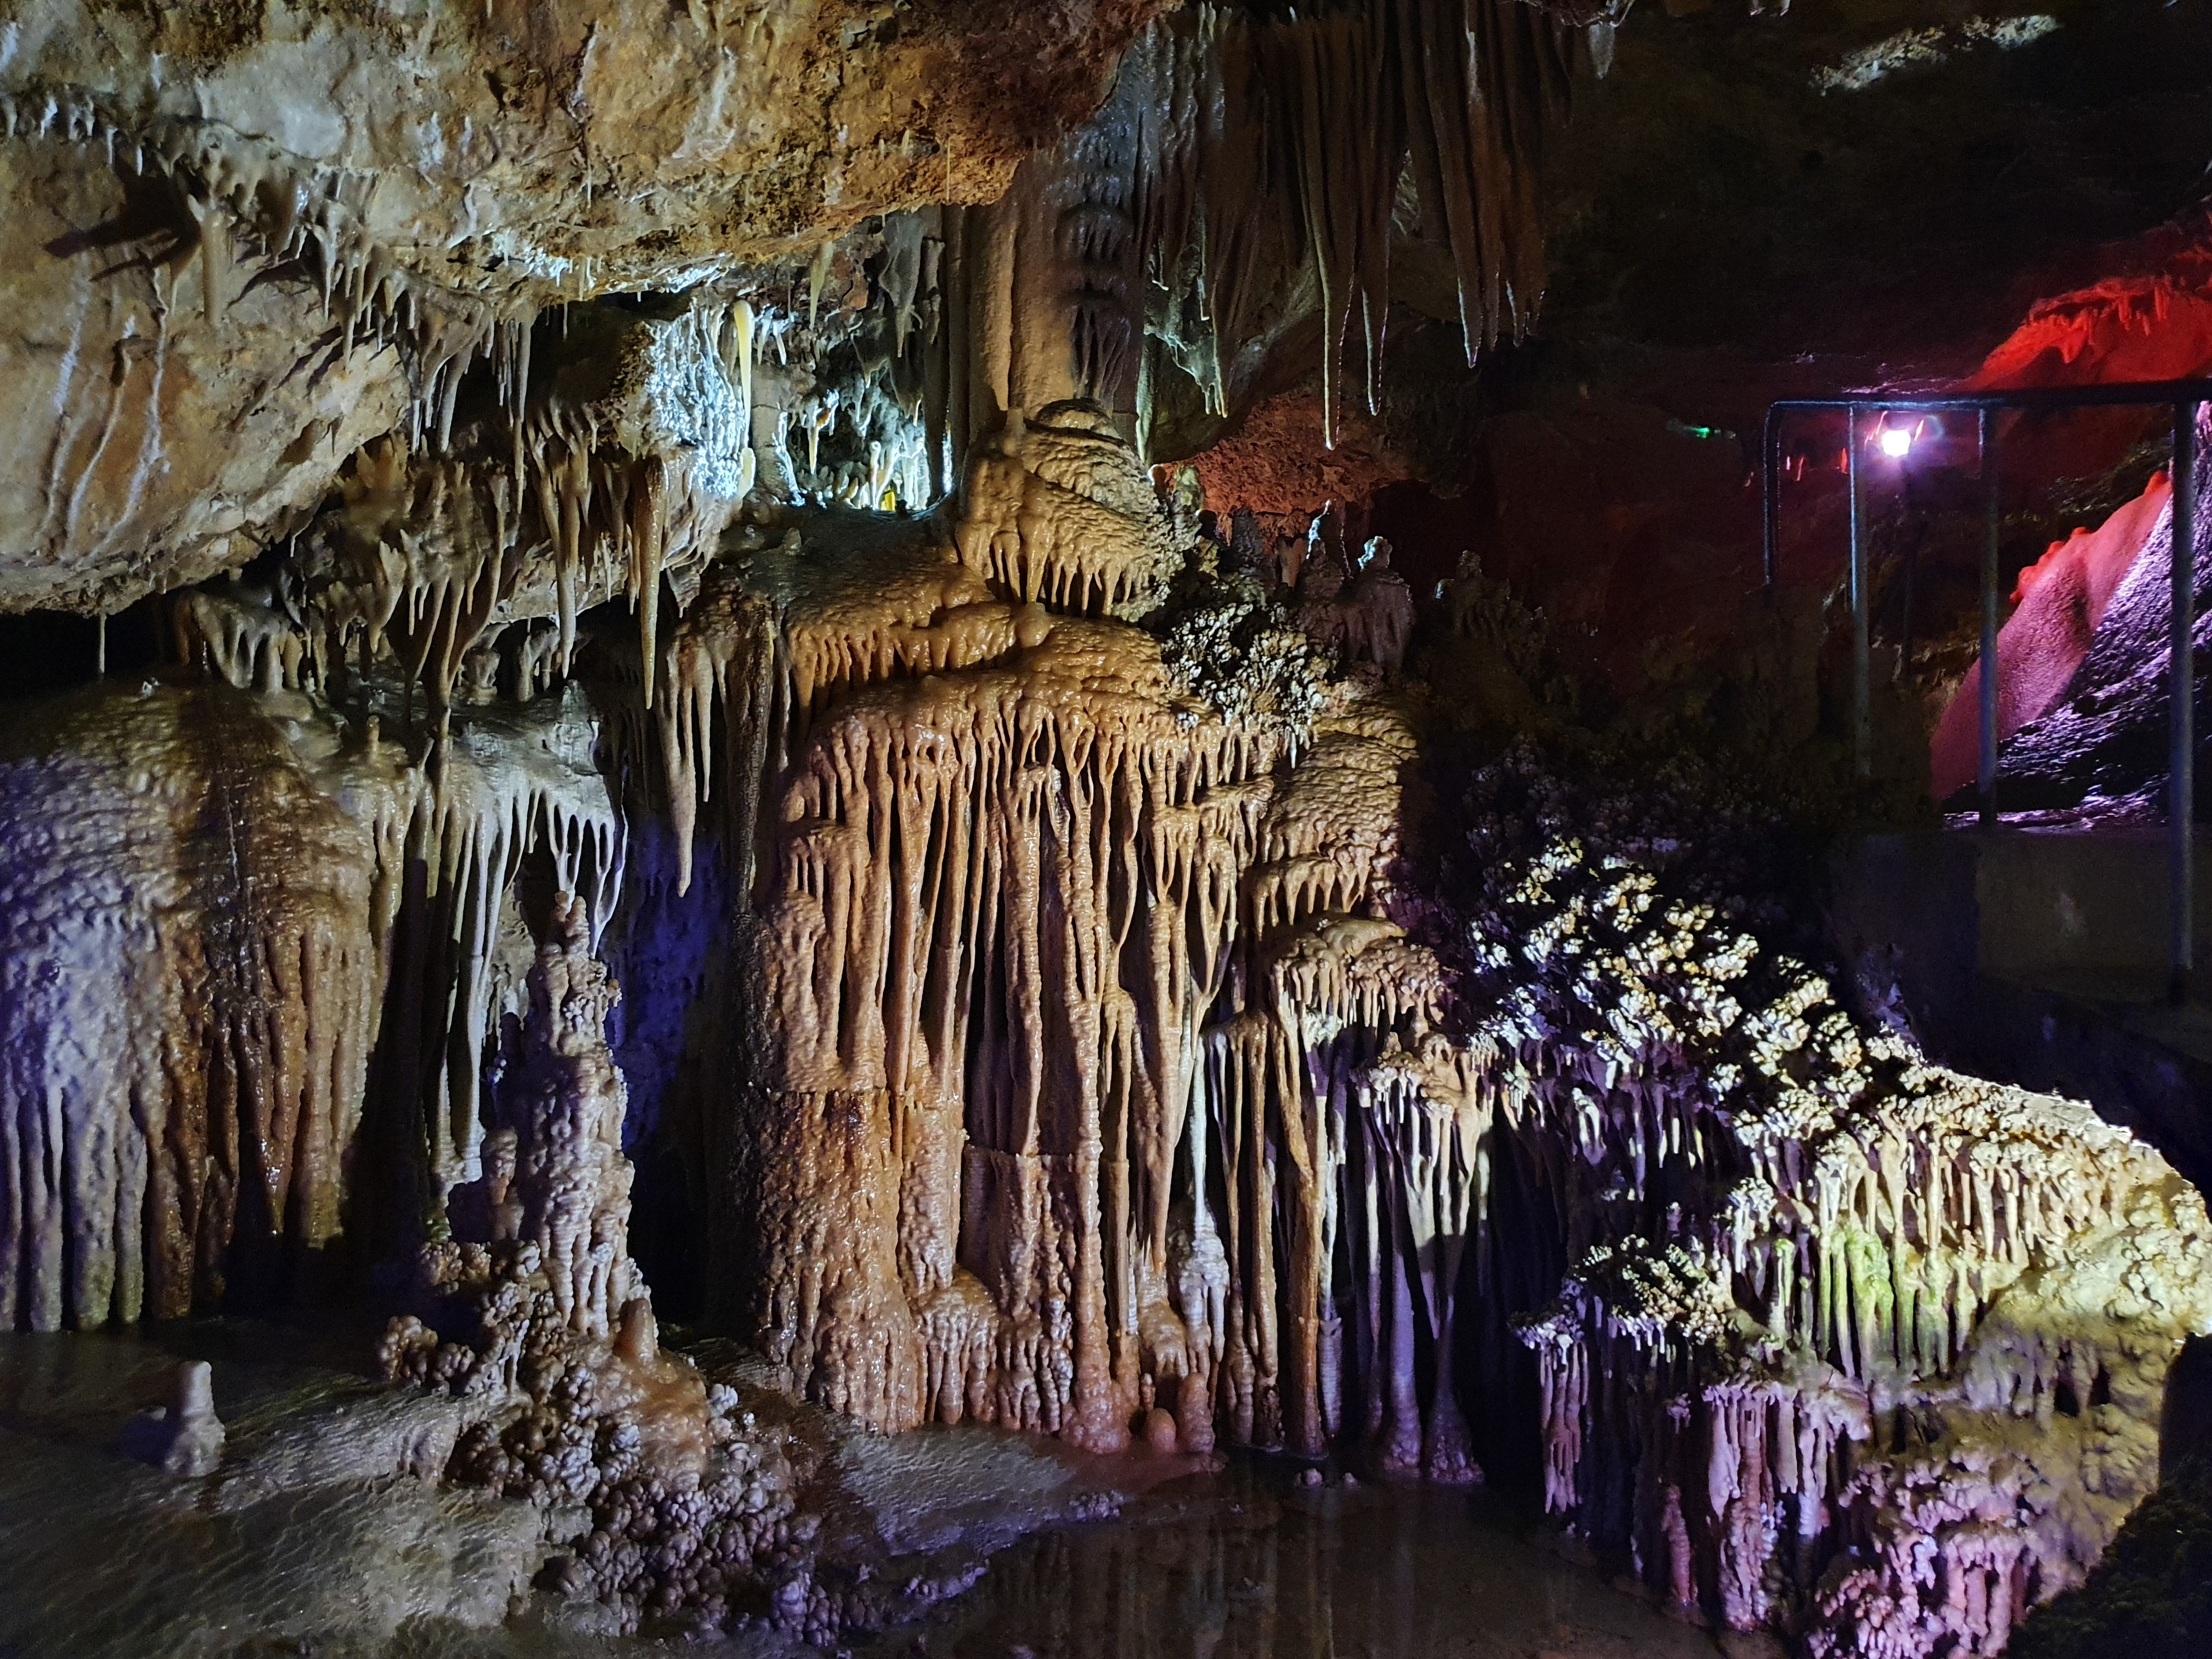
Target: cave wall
x=704 y=468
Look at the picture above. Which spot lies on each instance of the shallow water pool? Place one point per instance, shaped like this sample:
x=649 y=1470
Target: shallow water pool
x=1247 y=1563
x=108 y=1559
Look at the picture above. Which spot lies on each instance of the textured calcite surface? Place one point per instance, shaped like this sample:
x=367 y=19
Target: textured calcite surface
x=248 y=236
x=1011 y=883
x=535 y=1307
x=704 y=751
x=1848 y=1344
x=233 y=926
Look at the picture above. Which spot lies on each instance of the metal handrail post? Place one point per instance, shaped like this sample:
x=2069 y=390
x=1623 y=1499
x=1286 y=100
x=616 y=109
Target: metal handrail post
x=2181 y=644
x=1770 y=465
x=1862 y=655
x=1987 y=772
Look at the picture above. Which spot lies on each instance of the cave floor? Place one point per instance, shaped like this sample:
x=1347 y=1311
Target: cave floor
x=317 y=1536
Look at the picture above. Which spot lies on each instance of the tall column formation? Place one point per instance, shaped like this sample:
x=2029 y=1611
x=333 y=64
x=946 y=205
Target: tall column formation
x=1067 y=983
x=532 y=1303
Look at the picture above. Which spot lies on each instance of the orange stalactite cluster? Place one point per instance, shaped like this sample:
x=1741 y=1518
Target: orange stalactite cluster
x=1058 y=969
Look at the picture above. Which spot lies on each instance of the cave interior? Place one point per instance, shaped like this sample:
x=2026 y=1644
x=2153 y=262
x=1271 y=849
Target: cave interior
x=1109 y=828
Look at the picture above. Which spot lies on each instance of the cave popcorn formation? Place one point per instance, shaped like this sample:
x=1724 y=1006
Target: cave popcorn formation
x=1838 y=1295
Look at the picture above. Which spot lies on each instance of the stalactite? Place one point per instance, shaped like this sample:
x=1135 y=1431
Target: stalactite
x=1821 y=1285
x=425 y=558
x=1259 y=143
x=242 y=636
x=204 y=895
x=252 y=203
x=1482 y=82
x=1235 y=153
x=1332 y=90
x=1040 y=944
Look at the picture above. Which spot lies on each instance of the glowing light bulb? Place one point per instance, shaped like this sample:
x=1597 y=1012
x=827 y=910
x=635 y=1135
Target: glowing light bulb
x=1896 y=442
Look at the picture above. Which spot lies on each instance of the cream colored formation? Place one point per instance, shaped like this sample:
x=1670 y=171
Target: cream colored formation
x=1053 y=957
x=234 y=926
x=536 y=1311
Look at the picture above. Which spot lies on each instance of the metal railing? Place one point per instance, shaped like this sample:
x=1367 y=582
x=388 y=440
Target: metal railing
x=2186 y=399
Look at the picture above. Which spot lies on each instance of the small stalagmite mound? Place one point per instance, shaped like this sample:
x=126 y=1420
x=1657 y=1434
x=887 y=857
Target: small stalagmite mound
x=184 y=1438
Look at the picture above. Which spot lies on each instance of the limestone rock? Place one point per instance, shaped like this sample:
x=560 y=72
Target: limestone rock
x=248 y=241
x=206 y=897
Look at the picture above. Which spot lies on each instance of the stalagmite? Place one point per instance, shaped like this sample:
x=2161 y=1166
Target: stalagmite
x=534 y=1301
x=185 y=1437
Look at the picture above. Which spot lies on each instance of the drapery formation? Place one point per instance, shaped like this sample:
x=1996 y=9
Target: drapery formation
x=233 y=935
x=1068 y=986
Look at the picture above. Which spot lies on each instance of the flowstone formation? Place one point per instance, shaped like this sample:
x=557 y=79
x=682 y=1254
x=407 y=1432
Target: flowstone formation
x=1849 y=1345
x=243 y=939
x=1064 y=976
x=688 y=497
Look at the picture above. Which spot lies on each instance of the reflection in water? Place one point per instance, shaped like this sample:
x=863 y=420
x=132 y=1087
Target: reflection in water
x=107 y=1560
x=1246 y=1567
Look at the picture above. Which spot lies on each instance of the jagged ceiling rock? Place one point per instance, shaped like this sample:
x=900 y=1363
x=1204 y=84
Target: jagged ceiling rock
x=249 y=238
x=502 y=148
x=149 y=421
